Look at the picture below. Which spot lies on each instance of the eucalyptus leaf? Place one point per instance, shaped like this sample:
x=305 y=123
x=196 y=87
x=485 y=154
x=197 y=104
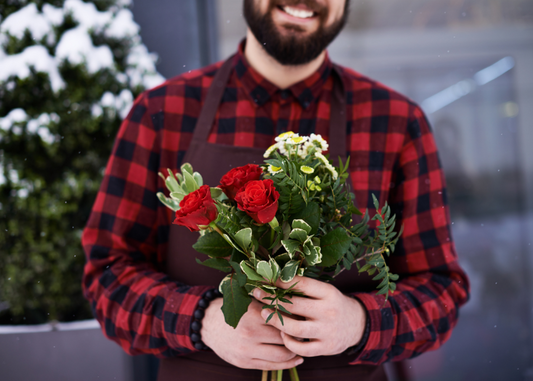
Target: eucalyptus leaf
x=264 y=269
x=289 y=271
x=250 y=272
x=301 y=224
x=291 y=246
x=298 y=234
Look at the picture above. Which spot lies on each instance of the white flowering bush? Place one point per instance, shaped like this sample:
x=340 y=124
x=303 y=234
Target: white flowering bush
x=69 y=72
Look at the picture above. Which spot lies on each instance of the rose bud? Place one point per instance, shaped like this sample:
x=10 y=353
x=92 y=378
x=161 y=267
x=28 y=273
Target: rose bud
x=259 y=199
x=232 y=182
x=197 y=208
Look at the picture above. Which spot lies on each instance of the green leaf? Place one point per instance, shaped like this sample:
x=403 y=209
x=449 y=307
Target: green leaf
x=298 y=234
x=301 y=224
x=244 y=237
x=189 y=184
x=186 y=167
x=289 y=271
x=214 y=245
x=311 y=215
x=380 y=275
x=198 y=179
x=251 y=273
x=216 y=263
x=334 y=245
x=236 y=300
x=216 y=192
x=275 y=270
x=168 y=202
x=239 y=275
x=376 y=202
x=291 y=246
x=282 y=259
x=263 y=268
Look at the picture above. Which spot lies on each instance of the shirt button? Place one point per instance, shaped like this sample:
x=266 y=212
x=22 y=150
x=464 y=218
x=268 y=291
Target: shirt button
x=284 y=94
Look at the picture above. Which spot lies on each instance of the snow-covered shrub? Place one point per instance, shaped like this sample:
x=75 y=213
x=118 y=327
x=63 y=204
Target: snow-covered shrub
x=69 y=71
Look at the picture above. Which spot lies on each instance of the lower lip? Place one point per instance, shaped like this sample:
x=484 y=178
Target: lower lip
x=284 y=16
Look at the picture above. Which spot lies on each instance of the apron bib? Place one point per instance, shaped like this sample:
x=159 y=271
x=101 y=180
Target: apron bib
x=213 y=161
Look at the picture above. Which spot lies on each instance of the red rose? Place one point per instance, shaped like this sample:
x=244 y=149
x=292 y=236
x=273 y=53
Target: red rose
x=197 y=208
x=232 y=182
x=259 y=199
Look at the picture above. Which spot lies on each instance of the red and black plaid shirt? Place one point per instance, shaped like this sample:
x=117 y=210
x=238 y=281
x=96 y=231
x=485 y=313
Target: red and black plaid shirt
x=393 y=155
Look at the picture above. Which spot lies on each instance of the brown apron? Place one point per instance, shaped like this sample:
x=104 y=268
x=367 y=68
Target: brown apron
x=213 y=161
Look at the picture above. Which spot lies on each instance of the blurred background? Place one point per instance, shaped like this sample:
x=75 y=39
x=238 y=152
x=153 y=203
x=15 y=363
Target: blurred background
x=469 y=63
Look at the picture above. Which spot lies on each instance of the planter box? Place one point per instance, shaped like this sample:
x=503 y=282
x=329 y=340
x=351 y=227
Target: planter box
x=64 y=351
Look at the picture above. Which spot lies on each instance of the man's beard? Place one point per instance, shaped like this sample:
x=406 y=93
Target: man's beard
x=292 y=49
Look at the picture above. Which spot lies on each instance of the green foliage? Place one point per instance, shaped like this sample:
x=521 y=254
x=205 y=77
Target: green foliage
x=47 y=188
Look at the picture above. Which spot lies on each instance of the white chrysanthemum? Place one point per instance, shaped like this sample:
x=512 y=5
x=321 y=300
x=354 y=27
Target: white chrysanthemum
x=318 y=142
x=284 y=136
x=302 y=151
x=297 y=140
x=333 y=171
x=322 y=158
x=273 y=169
x=270 y=149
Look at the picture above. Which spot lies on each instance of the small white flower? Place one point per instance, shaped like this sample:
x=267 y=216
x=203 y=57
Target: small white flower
x=322 y=158
x=318 y=142
x=284 y=136
x=270 y=149
x=274 y=170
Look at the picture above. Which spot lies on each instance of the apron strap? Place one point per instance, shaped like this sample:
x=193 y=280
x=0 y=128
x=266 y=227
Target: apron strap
x=337 y=119
x=337 y=123
x=212 y=101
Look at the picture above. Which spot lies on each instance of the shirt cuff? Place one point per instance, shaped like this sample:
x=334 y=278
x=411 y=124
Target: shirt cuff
x=381 y=327
x=178 y=324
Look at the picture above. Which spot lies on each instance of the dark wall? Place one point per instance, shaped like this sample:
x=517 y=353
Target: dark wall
x=182 y=33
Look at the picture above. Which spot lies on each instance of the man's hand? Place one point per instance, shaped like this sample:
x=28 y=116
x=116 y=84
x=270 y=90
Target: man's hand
x=252 y=345
x=332 y=321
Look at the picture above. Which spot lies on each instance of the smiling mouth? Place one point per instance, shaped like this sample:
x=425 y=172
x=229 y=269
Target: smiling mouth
x=296 y=12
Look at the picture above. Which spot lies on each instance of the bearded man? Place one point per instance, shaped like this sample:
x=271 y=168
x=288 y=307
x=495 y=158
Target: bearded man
x=146 y=289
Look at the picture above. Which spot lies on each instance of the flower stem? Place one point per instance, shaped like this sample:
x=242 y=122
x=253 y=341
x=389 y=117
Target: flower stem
x=264 y=376
x=294 y=374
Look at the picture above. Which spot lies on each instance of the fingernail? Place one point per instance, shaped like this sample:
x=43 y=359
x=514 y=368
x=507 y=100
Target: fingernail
x=264 y=314
x=298 y=362
x=257 y=293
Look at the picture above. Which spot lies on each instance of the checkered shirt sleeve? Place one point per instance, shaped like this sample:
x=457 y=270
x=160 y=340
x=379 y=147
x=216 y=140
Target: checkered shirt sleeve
x=394 y=157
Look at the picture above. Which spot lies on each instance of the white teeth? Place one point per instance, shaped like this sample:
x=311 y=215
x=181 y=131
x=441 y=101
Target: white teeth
x=300 y=13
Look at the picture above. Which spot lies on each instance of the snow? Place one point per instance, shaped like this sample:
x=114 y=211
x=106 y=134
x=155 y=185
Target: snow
x=17 y=115
x=87 y=15
x=39 y=25
x=27 y=18
x=121 y=103
x=37 y=56
x=37 y=126
x=122 y=25
x=76 y=47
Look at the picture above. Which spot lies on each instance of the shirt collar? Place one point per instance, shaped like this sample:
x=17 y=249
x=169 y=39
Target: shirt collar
x=261 y=90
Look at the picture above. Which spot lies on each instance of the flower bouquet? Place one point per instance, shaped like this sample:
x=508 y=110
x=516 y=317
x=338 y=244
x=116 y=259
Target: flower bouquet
x=290 y=216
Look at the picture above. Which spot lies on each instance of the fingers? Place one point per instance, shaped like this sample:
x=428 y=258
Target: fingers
x=303 y=348
x=304 y=329
x=300 y=306
x=268 y=365
x=272 y=353
x=310 y=287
